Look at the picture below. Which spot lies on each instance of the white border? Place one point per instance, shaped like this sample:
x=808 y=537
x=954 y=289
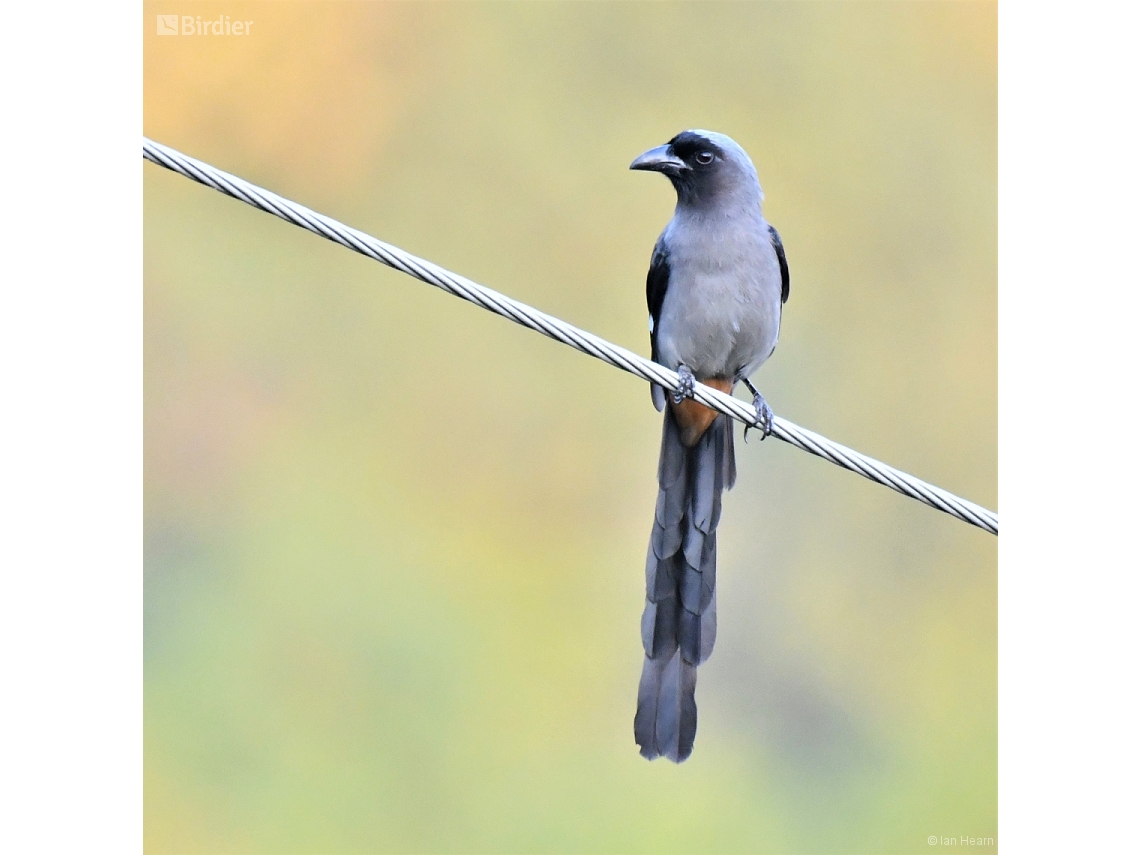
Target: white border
x=71 y=429
x=1068 y=150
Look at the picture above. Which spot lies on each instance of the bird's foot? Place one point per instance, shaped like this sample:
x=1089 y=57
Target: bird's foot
x=687 y=380
x=764 y=413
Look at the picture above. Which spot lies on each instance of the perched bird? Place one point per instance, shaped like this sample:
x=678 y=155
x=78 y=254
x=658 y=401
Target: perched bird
x=716 y=288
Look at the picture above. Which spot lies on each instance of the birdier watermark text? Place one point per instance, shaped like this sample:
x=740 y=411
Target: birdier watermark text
x=193 y=25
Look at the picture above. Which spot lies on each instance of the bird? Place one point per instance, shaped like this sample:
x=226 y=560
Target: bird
x=717 y=283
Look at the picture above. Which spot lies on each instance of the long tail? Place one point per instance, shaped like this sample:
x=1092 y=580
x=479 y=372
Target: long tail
x=678 y=626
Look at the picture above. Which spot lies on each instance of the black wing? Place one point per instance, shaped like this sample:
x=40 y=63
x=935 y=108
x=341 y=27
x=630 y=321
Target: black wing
x=656 y=284
x=785 y=281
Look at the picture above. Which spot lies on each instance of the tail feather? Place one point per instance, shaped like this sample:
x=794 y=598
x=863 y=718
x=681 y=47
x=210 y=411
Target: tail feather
x=666 y=540
x=708 y=627
x=666 y=720
x=678 y=626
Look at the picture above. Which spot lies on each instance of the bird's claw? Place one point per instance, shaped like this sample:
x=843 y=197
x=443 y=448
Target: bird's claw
x=688 y=389
x=764 y=413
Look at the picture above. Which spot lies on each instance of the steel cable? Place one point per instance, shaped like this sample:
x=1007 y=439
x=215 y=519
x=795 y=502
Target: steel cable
x=561 y=331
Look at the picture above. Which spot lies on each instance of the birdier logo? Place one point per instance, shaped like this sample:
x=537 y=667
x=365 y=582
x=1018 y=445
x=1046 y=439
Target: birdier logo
x=193 y=25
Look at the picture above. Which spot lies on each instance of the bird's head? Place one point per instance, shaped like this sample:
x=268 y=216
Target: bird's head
x=706 y=168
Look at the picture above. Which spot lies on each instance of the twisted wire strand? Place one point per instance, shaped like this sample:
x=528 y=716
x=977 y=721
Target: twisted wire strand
x=559 y=330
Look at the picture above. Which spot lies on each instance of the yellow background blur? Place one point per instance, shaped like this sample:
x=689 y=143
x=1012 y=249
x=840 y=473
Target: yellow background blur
x=395 y=545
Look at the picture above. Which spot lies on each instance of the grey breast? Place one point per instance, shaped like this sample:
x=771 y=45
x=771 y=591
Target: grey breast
x=721 y=314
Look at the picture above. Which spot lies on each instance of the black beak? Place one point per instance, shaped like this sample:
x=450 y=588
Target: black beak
x=660 y=159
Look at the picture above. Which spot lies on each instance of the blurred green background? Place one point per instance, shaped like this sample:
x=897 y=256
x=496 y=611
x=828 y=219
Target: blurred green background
x=395 y=545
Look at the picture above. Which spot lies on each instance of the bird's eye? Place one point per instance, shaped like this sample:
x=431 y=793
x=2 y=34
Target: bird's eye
x=705 y=158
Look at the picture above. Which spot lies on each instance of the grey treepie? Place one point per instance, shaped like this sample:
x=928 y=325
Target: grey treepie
x=716 y=288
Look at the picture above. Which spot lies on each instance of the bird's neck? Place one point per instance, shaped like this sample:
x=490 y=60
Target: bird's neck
x=724 y=211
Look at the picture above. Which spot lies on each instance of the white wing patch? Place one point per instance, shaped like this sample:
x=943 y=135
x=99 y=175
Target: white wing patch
x=651 y=323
